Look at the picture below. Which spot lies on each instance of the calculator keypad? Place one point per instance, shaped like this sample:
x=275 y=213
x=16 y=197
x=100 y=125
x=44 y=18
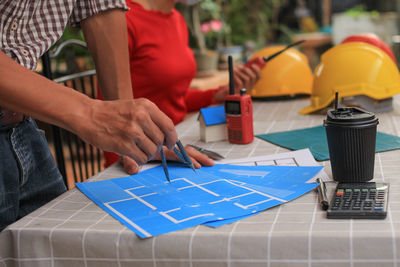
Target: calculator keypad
x=359 y=200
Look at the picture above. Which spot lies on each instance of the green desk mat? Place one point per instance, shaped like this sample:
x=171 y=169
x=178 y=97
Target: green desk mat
x=314 y=138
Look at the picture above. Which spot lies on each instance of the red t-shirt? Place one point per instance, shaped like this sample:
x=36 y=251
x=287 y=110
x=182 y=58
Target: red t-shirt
x=162 y=64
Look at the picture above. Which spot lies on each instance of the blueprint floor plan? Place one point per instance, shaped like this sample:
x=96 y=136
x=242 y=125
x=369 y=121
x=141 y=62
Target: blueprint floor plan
x=149 y=205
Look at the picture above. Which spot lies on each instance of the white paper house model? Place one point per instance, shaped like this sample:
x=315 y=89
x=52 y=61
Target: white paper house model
x=212 y=124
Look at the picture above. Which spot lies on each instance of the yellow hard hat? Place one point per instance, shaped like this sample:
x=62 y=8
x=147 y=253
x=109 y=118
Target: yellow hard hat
x=352 y=69
x=285 y=75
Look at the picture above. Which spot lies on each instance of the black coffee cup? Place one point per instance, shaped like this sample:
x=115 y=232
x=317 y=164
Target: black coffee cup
x=351 y=135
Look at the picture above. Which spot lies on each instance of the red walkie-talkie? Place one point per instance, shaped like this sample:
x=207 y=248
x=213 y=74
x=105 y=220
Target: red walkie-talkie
x=239 y=113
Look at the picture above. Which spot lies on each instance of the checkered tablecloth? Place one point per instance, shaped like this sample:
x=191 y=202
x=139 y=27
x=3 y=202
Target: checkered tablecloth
x=72 y=231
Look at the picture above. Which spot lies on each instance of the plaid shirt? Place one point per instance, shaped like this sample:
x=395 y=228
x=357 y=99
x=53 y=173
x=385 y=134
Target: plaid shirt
x=28 y=28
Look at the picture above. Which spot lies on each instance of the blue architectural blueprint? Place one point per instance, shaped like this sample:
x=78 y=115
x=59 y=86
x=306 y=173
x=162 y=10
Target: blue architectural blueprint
x=149 y=205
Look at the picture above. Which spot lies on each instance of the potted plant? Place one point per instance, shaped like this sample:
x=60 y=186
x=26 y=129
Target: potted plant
x=238 y=23
x=206 y=29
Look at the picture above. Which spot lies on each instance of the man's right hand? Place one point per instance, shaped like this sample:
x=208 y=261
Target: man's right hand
x=135 y=128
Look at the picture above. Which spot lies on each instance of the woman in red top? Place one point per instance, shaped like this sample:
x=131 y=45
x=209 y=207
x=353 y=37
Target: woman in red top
x=163 y=66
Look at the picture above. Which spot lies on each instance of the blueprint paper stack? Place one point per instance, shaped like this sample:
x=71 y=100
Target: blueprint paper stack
x=149 y=205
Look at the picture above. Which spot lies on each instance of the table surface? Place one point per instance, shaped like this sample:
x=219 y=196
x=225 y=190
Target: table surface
x=72 y=231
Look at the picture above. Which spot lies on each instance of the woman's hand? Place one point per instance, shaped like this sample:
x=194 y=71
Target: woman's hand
x=198 y=159
x=244 y=77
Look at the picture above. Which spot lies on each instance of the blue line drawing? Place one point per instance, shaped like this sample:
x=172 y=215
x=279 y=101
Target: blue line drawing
x=149 y=205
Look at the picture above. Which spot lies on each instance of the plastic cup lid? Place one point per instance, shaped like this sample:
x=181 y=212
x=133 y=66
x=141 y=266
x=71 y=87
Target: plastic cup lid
x=349 y=115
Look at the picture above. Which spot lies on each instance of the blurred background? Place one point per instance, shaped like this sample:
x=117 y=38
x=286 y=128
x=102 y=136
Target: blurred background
x=244 y=28
x=240 y=28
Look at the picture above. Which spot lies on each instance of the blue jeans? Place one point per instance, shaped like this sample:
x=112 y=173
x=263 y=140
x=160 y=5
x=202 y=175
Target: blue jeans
x=29 y=177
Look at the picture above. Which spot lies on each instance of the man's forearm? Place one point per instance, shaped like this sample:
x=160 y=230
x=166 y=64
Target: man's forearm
x=132 y=127
x=25 y=91
x=106 y=36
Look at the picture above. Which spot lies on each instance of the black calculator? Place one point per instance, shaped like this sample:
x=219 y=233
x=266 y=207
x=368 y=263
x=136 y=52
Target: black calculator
x=359 y=201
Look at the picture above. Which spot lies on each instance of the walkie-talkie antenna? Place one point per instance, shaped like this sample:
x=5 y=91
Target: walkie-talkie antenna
x=231 y=81
x=266 y=59
x=336 y=100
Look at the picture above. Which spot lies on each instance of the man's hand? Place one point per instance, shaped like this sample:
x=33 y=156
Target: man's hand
x=135 y=128
x=198 y=159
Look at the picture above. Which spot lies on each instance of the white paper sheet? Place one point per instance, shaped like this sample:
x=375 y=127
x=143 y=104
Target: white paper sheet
x=301 y=157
